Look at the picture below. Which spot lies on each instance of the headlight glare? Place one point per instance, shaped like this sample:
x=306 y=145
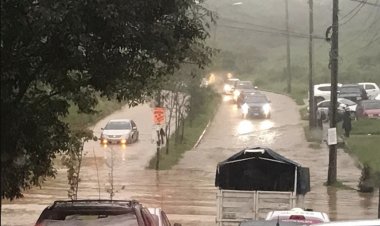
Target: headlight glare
x=266 y=108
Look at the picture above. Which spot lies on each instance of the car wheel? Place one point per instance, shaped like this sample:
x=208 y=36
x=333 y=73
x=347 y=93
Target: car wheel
x=129 y=141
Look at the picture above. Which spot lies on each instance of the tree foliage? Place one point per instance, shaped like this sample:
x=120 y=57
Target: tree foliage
x=58 y=52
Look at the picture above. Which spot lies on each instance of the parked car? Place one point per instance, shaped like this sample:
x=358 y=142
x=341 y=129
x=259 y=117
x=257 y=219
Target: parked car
x=371 y=88
x=352 y=92
x=342 y=103
x=368 y=109
x=242 y=86
x=96 y=213
x=229 y=85
x=123 y=131
x=243 y=94
x=374 y=222
x=323 y=91
x=161 y=218
x=298 y=215
x=256 y=105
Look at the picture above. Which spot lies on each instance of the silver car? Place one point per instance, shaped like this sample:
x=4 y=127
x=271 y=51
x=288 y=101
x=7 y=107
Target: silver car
x=122 y=131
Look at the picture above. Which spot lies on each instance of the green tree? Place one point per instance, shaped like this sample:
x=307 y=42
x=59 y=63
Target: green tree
x=58 y=52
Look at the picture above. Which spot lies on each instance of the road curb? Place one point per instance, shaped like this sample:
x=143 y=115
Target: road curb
x=201 y=136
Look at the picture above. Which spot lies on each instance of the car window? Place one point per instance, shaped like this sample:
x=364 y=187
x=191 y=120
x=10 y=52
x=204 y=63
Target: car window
x=370 y=86
x=118 y=125
x=349 y=90
x=324 y=88
x=324 y=104
x=94 y=220
x=347 y=102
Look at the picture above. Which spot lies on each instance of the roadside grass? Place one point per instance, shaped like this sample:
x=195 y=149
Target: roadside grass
x=366 y=149
x=191 y=136
x=81 y=121
x=366 y=126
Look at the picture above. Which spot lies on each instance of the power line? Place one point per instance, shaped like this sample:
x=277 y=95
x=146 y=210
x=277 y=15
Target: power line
x=361 y=6
x=367 y=3
x=347 y=14
x=270 y=30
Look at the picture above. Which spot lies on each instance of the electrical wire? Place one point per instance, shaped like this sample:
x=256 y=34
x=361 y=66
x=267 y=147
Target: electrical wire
x=349 y=19
x=270 y=30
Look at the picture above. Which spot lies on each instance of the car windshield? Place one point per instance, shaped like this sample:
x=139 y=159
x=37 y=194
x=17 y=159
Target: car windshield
x=256 y=99
x=118 y=125
x=94 y=220
x=347 y=102
x=371 y=105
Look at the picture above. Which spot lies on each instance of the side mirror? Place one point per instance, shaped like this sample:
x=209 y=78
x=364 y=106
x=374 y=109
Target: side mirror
x=134 y=127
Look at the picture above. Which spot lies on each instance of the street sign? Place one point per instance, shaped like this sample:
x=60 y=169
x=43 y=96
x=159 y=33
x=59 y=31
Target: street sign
x=331 y=136
x=159 y=115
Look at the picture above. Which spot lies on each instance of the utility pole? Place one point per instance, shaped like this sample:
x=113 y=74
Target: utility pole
x=312 y=119
x=334 y=54
x=288 y=70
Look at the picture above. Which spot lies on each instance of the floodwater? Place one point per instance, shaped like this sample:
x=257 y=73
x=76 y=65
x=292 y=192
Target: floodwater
x=187 y=191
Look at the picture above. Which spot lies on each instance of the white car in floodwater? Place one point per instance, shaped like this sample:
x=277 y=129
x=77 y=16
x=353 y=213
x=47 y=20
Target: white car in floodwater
x=298 y=215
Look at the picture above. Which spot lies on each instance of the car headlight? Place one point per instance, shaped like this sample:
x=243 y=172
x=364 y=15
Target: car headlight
x=266 y=108
x=245 y=108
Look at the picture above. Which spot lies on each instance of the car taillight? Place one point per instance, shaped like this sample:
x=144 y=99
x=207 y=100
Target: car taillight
x=297 y=217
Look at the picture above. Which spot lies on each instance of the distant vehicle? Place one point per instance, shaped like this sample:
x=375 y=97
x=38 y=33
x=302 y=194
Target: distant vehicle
x=323 y=91
x=229 y=85
x=243 y=94
x=96 y=213
x=368 y=109
x=298 y=215
x=352 y=92
x=371 y=88
x=160 y=216
x=323 y=107
x=374 y=222
x=122 y=131
x=242 y=86
x=256 y=105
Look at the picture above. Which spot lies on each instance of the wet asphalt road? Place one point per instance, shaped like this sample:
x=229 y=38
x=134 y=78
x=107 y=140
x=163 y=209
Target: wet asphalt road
x=187 y=192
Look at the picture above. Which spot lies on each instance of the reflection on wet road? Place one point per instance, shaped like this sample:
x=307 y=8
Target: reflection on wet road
x=187 y=192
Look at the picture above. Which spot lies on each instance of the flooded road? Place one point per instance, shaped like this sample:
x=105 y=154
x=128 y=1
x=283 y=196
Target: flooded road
x=187 y=192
